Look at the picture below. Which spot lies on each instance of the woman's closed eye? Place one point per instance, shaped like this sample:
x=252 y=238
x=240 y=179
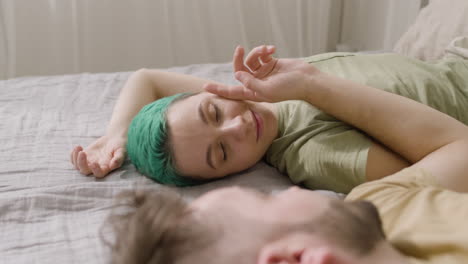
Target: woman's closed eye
x=217 y=114
x=223 y=150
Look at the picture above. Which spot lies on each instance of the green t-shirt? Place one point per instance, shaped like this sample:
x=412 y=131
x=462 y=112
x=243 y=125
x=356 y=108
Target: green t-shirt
x=321 y=152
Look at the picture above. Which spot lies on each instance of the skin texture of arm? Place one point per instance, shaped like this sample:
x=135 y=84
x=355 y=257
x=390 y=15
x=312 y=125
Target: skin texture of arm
x=382 y=162
x=143 y=87
x=417 y=133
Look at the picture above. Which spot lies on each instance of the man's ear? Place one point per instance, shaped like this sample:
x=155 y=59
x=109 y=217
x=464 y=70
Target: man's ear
x=320 y=255
x=285 y=253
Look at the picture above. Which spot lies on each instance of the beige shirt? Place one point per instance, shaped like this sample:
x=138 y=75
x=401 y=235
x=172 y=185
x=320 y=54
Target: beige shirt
x=421 y=219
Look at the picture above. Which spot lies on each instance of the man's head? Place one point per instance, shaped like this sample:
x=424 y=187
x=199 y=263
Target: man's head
x=200 y=137
x=236 y=225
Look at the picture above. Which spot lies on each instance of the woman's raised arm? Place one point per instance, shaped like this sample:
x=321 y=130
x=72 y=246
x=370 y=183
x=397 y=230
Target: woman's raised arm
x=421 y=135
x=143 y=87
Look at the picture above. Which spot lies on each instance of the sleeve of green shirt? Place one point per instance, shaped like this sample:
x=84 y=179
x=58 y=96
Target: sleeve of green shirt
x=339 y=163
x=318 y=151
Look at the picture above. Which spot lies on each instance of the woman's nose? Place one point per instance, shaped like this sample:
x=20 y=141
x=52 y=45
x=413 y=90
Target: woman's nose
x=236 y=128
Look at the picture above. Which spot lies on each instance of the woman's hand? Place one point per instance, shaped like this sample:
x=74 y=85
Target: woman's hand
x=265 y=78
x=101 y=157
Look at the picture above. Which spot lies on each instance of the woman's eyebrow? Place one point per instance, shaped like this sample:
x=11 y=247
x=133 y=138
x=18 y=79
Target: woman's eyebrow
x=201 y=114
x=208 y=151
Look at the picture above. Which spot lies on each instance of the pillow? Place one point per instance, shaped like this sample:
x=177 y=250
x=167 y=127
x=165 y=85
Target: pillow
x=458 y=48
x=435 y=27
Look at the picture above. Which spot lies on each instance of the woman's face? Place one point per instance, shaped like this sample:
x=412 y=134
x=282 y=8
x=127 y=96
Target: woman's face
x=212 y=136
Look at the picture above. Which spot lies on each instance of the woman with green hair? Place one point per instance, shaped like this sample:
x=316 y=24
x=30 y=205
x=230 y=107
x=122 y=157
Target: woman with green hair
x=182 y=130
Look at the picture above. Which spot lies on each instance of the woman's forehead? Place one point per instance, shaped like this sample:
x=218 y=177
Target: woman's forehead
x=190 y=136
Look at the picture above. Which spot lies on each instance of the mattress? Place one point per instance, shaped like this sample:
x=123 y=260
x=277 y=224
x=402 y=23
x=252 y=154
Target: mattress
x=49 y=212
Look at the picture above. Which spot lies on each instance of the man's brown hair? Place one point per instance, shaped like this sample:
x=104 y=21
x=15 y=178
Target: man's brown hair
x=353 y=225
x=155 y=226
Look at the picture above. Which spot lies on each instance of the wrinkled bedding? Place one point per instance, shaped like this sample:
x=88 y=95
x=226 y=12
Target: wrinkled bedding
x=49 y=213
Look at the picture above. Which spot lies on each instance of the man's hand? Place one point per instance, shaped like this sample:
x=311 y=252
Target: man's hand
x=265 y=78
x=101 y=157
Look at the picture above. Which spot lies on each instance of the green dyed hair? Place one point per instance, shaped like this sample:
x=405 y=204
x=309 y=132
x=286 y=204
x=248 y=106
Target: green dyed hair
x=148 y=143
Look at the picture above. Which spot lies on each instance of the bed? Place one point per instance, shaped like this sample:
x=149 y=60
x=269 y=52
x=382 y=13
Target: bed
x=49 y=213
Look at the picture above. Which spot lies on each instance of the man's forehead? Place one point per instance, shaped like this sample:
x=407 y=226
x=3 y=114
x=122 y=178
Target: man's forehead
x=224 y=195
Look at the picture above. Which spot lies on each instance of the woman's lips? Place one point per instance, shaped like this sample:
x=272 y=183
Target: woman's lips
x=259 y=124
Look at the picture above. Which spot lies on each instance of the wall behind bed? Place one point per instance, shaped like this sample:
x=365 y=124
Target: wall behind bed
x=62 y=36
x=44 y=37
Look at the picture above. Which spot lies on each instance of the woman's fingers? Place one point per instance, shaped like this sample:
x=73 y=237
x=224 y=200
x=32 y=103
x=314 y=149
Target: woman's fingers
x=266 y=57
x=83 y=163
x=74 y=156
x=237 y=92
x=259 y=61
x=252 y=60
x=238 y=59
x=259 y=56
x=117 y=160
x=99 y=166
x=249 y=81
x=99 y=170
x=71 y=156
x=96 y=170
x=103 y=168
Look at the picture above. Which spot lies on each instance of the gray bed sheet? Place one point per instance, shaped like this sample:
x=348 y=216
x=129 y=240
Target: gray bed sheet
x=49 y=213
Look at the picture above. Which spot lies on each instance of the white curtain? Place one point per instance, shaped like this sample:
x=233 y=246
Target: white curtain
x=43 y=37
